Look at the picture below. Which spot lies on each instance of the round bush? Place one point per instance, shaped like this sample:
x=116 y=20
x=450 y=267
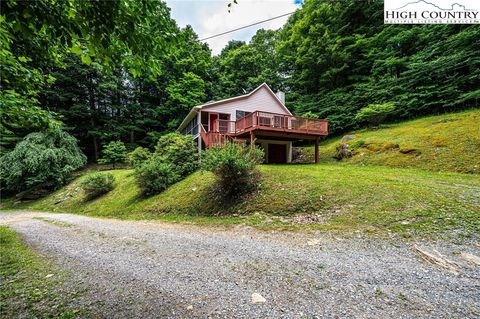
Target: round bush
x=154 y=176
x=234 y=167
x=178 y=150
x=138 y=156
x=97 y=184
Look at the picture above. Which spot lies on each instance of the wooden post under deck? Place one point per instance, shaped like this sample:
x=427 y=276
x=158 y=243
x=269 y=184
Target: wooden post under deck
x=316 y=150
x=252 y=140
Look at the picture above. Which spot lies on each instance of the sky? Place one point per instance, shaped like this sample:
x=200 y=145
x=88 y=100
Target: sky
x=210 y=17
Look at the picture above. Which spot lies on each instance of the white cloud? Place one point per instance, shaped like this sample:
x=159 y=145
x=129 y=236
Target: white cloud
x=211 y=17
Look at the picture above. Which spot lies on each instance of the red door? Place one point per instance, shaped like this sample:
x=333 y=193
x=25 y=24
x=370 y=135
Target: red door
x=213 y=122
x=277 y=153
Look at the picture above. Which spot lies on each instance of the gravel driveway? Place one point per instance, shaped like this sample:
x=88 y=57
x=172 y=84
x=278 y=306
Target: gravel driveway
x=147 y=269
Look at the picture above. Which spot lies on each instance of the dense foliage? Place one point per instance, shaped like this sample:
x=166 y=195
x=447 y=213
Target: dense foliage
x=178 y=150
x=41 y=159
x=97 y=184
x=174 y=158
x=335 y=57
x=234 y=166
x=113 y=153
x=155 y=175
x=375 y=114
x=37 y=36
x=138 y=156
x=125 y=71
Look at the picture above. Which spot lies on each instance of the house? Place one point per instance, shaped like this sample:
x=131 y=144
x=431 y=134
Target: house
x=259 y=117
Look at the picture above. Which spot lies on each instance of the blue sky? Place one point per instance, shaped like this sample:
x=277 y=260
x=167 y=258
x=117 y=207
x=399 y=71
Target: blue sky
x=210 y=17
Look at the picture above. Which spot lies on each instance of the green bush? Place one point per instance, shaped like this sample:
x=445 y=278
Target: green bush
x=179 y=151
x=138 y=156
x=155 y=175
x=97 y=184
x=46 y=158
x=375 y=114
x=113 y=153
x=234 y=167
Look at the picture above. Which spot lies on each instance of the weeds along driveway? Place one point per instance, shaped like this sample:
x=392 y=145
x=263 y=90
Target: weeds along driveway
x=136 y=269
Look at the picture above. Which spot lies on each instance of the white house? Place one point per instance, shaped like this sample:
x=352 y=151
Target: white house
x=259 y=117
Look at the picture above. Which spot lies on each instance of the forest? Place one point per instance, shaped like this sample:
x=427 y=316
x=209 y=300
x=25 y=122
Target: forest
x=107 y=71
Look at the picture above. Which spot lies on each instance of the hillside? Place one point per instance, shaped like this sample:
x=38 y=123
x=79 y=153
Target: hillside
x=448 y=142
x=343 y=198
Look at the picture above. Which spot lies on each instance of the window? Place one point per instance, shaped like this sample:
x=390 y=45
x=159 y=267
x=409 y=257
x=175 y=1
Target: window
x=241 y=114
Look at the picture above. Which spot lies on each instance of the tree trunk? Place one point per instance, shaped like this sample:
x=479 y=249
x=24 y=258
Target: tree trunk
x=95 y=148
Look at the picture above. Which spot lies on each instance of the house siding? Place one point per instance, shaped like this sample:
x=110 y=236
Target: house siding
x=261 y=100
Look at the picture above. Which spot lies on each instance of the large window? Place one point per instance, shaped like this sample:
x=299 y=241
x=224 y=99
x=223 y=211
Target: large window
x=240 y=114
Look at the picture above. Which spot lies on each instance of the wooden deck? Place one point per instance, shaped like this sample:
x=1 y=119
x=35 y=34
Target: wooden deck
x=267 y=125
x=274 y=125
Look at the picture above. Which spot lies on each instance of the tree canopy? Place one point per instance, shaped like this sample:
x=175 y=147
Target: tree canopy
x=123 y=70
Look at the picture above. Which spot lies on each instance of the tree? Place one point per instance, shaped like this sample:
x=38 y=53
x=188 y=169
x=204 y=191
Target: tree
x=36 y=36
x=47 y=158
x=338 y=57
x=242 y=67
x=113 y=153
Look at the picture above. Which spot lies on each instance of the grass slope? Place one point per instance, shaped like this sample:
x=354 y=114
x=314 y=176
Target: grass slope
x=327 y=197
x=448 y=142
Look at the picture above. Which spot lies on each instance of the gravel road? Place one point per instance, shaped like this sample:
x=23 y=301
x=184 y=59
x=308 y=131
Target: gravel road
x=149 y=269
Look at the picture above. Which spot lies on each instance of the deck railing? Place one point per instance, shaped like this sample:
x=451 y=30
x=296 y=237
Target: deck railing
x=212 y=138
x=270 y=121
x=224 y=130
x=281 y=122
x=225 y=126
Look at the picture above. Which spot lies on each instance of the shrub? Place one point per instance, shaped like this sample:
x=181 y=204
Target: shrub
x=154 y=176
x=97 y=184
x=41 y=158
x=178 y=150
x=138 y=156
x=234 y=167
x=113 y=153
x=375 y=114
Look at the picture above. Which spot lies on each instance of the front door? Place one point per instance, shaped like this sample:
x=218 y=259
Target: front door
x=213 y=122
x=277 y=153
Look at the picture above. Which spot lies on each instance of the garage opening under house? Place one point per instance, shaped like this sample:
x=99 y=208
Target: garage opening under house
x=259 y=117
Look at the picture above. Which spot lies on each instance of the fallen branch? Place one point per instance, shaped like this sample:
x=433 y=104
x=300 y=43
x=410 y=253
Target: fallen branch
x=439 y=260
x=470 y=258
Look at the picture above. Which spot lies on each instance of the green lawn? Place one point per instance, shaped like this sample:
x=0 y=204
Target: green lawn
x=449 y=142
x=339 y=197
x=29 y=286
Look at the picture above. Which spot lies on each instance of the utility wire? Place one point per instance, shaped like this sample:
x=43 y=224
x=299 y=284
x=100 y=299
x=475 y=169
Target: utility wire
x=247 y=26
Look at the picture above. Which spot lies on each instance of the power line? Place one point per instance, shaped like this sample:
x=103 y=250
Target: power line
x=247 y=26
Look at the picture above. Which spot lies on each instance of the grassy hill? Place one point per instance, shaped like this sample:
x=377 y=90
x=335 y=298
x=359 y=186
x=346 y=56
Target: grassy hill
x=326 y=197
x=377 y=195
x=448 y=142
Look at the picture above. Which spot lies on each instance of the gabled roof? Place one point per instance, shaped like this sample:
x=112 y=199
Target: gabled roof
x=194 y=111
